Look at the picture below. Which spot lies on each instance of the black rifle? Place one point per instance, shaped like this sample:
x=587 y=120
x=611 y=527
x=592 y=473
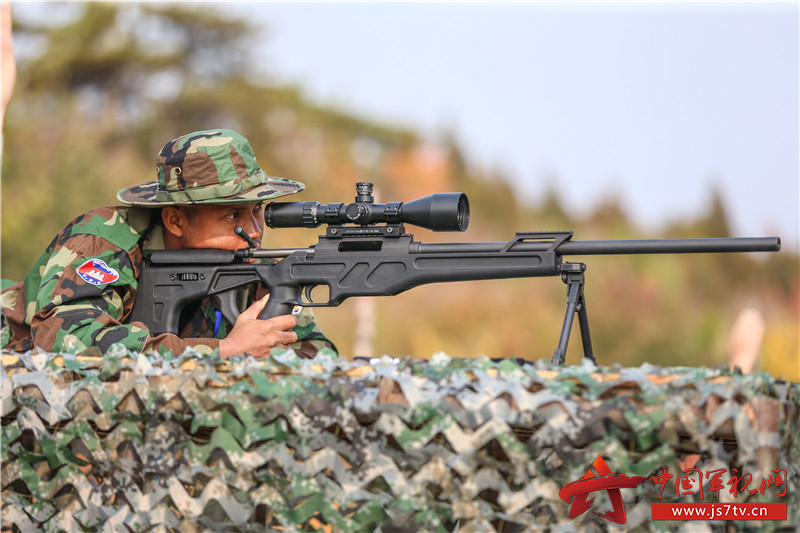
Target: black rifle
x=367 y=252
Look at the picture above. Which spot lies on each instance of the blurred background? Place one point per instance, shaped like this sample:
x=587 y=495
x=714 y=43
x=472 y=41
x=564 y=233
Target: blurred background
x=616 y=121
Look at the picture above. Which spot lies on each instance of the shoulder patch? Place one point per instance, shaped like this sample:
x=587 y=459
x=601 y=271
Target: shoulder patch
x=97 y=272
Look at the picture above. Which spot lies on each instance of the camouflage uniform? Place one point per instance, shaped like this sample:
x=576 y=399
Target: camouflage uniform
x=83 y=287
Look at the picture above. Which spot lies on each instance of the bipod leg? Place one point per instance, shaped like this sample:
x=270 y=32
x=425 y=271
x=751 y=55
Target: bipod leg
x=586 y=338
x=572 y=304
x=572 y=275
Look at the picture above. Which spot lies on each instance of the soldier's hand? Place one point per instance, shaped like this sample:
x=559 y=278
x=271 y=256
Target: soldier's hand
x=258 y=337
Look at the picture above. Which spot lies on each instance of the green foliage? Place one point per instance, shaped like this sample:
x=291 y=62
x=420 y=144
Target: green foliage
x=90 y=111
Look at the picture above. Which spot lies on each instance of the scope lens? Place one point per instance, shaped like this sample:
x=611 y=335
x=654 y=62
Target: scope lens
x=463 y=212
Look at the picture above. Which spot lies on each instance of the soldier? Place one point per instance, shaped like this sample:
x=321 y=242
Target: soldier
x=81 y=291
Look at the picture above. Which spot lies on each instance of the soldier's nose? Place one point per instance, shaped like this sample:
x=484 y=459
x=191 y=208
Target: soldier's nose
x=254 y=228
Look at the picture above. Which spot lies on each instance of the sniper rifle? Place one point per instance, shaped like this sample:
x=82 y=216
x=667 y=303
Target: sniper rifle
x=366 y=251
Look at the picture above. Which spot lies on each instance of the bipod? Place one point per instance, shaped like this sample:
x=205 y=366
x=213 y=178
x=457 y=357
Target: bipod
x=572 y=275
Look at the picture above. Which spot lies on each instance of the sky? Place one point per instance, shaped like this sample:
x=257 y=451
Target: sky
x=653 y=103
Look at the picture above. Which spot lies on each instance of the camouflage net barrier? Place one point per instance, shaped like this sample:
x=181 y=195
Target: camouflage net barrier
x=190 y=443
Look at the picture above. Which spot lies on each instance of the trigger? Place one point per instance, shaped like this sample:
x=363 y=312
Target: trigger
x=307 y=292
x=227 y=305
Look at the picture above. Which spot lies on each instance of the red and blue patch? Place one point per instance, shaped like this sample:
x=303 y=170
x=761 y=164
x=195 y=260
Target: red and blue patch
x=97 y=272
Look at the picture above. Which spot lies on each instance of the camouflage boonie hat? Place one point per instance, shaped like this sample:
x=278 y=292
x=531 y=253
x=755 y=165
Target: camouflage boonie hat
x=207 y=167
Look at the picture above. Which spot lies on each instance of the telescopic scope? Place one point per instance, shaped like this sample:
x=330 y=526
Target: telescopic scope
x=438 y=212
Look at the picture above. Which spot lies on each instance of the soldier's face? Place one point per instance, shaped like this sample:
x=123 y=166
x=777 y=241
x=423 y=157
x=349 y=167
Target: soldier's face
x=211 y=226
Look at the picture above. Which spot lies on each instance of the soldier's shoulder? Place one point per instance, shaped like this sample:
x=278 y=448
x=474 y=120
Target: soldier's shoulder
x=121 y=226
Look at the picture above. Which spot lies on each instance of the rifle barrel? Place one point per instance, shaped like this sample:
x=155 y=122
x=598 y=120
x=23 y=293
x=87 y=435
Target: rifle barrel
x=671 y=246
x=643 y=246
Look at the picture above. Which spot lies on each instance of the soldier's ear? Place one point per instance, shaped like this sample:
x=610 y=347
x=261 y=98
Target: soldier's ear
x=173 y=220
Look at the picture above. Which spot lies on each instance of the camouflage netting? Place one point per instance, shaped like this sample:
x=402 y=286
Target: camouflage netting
x=187 y=443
